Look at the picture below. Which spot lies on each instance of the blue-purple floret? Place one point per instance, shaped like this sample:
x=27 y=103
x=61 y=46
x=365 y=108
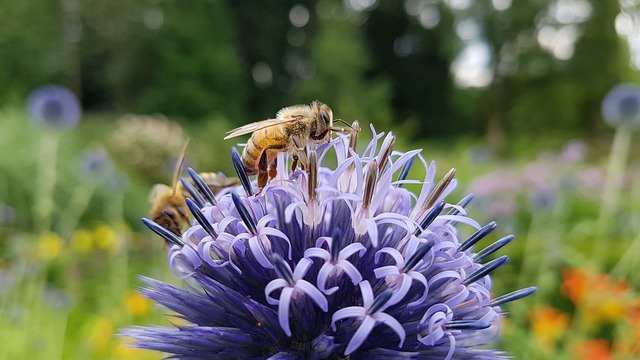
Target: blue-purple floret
x=54 y=106
x=360 y=270
x=621 y=106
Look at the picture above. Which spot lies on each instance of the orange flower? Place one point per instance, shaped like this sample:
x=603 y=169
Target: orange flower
x=575 y=285
x=597 y=349
x=548 y=324
x=597 y=296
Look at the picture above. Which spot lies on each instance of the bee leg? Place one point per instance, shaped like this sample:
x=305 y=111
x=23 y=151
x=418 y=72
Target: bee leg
x=294 y=164
x=262 y=171
x=267 y=165
x=273 y=168
x=303 y=159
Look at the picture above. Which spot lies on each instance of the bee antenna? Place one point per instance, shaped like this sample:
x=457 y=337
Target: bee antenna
x=346 y=123
x=342 y=130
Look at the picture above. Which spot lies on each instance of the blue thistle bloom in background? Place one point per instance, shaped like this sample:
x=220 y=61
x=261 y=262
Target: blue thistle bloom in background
x=329 y=264
x=54 y=106
x=96 y=164
x=621 y=106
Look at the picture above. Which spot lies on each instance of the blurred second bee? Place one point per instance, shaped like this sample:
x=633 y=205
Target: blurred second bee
x=168 y=205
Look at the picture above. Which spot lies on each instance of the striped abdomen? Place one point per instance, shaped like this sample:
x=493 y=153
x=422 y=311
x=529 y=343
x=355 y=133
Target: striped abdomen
x=269 y=139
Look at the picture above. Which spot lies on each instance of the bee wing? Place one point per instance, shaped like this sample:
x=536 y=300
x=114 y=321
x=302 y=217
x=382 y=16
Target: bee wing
x=216 y=182
x=156 y=191
x=258 y=125
x=178 y=169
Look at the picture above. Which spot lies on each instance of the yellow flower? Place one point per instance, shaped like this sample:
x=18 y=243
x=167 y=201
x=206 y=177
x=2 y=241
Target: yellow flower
x=106 y=238
x=123 y=351
x=613 y=309
x=49 y=245
x=548 y=325
x=136 y=304
x=81 y=241
x=101 y=333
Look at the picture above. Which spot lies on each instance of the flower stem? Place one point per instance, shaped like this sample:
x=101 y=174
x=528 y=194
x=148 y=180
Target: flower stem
x=609 y=203
x=627 y=265
x=46 y=180
x=78 y=204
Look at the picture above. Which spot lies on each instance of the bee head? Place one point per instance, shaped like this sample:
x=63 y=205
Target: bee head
x=324 y=121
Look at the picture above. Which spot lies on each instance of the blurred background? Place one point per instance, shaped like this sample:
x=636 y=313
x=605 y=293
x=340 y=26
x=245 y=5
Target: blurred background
x=534 y=102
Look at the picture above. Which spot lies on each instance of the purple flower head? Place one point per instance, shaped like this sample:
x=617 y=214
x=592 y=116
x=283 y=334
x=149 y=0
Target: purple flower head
x=621 y=106
x=96 y=164
x=331 y=263
x=54 y=106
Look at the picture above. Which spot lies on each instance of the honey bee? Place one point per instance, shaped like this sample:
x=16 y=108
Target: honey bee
x=291 y=131
x=168 y=206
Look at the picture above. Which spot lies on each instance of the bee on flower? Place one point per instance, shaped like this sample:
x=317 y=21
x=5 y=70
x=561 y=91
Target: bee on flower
x=331 y=263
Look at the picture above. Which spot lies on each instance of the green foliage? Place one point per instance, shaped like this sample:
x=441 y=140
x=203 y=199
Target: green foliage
x=192 y=60
x=337 y=50
x=194 y=57
x=29 y=55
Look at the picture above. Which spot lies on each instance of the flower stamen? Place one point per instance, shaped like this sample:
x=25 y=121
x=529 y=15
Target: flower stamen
x=386 y=154
x=380 y=301
x=336 y=261
x=429 y=218
x=244 y=213
x=282 y=267
x=461 y=205
x=202 y=186
x=467 y=325
x=486 y=269
x=404 y=172
x=353 y=137
x=195 y=195
x=371 y=314
x=336 y=243
x=370 y=183
x=241 y=171
x=292 y=284
x=164 y=233
x=492 y=248
x=513 y=296
x=477 y=236
x=417 y=256
x=312 y=184
x=197 y=214
x=439 y=189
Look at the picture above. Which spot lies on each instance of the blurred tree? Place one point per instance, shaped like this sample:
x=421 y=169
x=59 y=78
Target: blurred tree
x=416 y=61
x=336 y=70
x=262 y=41
x=600 y=62
x=183 y=61
x=540 y=65
x=29 y=55
x=509 y=29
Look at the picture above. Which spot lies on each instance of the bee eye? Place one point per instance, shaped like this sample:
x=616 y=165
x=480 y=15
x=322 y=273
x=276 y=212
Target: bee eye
x=324 y=116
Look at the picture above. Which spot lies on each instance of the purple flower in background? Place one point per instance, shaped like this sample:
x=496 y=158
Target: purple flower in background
x=329 y=264
x=96 y=164
x=621 y=106
x=574 y=151
x=54 y=106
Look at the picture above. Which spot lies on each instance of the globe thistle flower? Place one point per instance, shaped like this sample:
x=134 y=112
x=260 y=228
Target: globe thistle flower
x=54 y=106
x=331 y=264
x=96 y=164
x=621 y=106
